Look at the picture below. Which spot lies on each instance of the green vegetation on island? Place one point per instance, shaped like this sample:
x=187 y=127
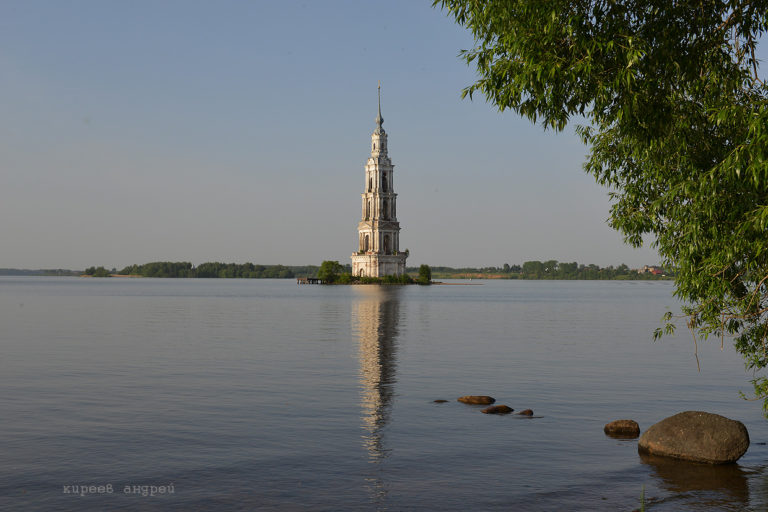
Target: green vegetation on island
x=425 y=275
x=673 y=109
x=332 y=272
x=98 y=272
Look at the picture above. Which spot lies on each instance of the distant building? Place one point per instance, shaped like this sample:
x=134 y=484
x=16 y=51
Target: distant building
x=651 y=269
x=378 y=252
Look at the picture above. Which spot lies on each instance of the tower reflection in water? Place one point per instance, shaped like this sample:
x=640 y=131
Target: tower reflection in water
x=375 y=317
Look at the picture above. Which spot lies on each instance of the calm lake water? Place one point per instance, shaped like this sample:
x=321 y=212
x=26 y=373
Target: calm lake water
x=266 y=395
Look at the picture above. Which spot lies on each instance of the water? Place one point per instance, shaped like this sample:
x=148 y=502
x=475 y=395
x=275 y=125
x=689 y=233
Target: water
x=265 y=395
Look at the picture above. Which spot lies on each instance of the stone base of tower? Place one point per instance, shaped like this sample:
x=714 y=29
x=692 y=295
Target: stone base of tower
x=378 y=265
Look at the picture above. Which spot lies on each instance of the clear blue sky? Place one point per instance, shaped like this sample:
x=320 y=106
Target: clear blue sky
x=238 y=131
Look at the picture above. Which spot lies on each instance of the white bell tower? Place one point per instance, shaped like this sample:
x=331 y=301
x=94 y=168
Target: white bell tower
x=378 y=251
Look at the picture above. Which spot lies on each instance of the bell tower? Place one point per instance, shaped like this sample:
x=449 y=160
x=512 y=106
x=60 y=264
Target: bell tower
x=378 y=251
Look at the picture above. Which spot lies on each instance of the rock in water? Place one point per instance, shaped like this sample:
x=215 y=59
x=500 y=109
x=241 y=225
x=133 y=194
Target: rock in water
x=628 y=429
x=440 y=401
x=498 y=409
x=526 y=412
x=696 y=436
x=476 y=399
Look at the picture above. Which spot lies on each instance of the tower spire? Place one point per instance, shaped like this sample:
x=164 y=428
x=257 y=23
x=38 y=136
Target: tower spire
x=379 y=119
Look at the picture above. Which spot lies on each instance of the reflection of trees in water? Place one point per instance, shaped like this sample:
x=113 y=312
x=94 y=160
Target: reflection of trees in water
x=375 y=319
x=700 y=485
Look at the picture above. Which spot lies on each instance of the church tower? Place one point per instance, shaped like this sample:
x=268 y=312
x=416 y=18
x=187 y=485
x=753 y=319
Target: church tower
x=378 y=252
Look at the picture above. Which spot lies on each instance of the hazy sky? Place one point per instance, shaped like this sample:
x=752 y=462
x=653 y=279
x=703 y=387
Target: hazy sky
x=238 y=131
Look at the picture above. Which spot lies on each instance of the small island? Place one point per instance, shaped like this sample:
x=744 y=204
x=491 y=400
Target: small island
x=333 y=272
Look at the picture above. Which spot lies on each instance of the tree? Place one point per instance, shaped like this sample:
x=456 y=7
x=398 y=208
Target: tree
x=425 y=274
x=674 y=114
x=329 y=271
x=550 y=266
x=97 y=272
x=568 y=270
x=533 y=268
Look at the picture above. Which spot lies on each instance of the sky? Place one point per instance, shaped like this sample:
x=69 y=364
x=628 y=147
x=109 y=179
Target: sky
x=238 y=131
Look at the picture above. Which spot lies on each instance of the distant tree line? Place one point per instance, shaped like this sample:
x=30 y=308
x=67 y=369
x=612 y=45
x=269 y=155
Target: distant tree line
x=550 y=269
x=185 y=269
x=38 y=272
x=217 y=270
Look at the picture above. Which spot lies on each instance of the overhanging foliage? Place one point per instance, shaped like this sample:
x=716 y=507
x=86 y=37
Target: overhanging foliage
x=677 y=126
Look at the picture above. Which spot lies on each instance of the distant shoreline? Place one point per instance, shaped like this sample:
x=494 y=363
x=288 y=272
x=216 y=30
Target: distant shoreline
x=456 y=277
x=529 y=271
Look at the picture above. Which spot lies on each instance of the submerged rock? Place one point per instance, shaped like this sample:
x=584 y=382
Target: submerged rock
x=498 y=409
x=526 y=412
x=440 y=401
x=696 y=436
x=627 y=429
x=476 y=399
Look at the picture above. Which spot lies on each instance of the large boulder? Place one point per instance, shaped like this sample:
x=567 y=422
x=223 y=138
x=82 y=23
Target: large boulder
x=696 y=436
x=477 y=399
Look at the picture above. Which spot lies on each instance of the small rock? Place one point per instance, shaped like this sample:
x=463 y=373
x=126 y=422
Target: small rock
x=440 y=401
x=498 y=409
x=526 y=412
x=696 y=436
x=477 y=399
x=628 y=429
